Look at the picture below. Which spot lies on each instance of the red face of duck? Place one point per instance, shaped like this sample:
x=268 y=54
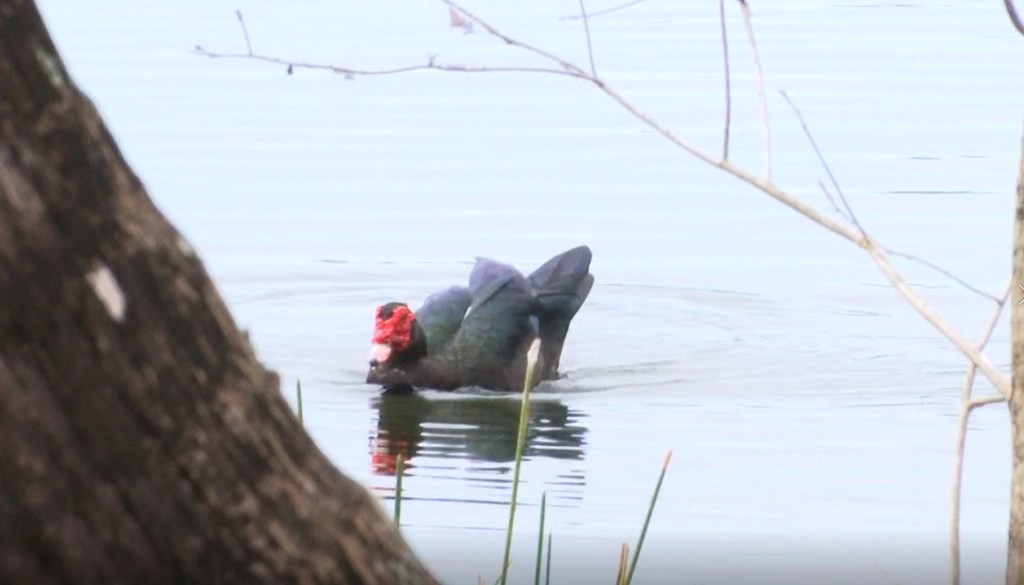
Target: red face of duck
x=392 y=332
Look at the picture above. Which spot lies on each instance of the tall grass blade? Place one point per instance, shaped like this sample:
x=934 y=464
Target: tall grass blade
x=298 y=391
x=399 y=472
x=547 y=569
x=647 y=520
x=524 y=417
x=620 y=578
x=498 y=580
x=540 y=538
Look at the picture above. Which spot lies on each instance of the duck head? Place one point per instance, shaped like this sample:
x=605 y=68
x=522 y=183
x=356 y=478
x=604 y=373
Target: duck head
x=397 y=340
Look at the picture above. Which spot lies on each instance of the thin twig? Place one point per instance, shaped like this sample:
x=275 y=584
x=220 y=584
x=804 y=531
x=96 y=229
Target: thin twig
x=966 y=406
x=821 y=158
x=847 y=210
x=1014 y=16
x=832 y=200
x=571 y=69
x=349 y=73
x=590 y=47
x=245 y=31
x=761 y=97
x=605 y=11
x=944 y=272
x=728 y=80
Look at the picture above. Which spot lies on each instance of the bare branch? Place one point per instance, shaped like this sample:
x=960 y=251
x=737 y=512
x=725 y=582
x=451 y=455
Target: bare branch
x=761 y=97
x=856 y=236
x=847 y=210
x=245 y=31
x=980 y=359
x=821 y=158
x=958 y=471
x=590 y=47
x=986 y=335
x=349 y=73
x=728 y=81
x=1014 y=16
x=605 y=11
x=570 y=68
x=966 y=407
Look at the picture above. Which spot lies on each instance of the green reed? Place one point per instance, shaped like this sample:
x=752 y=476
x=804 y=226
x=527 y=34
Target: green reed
x=524 y=417
x=547 y=568
x=540 y=538
x=647 y=519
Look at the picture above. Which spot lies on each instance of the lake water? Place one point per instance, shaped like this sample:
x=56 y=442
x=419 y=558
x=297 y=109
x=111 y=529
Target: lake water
x=810 y=411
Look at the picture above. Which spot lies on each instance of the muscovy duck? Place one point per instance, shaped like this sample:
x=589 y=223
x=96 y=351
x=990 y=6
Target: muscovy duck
x=479 y=335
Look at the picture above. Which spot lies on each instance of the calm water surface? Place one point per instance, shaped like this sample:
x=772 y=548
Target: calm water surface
x=811 y=413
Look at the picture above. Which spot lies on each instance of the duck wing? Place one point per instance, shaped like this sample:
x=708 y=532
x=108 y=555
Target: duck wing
x=560 y=286
x=441 y=317
x=498 y=327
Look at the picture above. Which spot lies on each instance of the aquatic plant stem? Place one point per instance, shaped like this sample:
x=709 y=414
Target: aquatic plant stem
x=620 y=577
x=399 y=472
x=547 y=568
x=647 y=519
x=524 y=416
x=540 y=538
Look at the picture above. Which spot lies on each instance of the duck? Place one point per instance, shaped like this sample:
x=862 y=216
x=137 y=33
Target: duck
x=479 y=335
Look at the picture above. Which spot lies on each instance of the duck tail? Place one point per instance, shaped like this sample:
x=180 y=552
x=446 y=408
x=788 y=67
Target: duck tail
x=560 y=287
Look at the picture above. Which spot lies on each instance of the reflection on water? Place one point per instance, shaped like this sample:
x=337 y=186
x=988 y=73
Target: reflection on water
x=460 y=448
x=474 y=427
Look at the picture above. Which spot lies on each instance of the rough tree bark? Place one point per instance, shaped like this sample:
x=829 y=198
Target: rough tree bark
x=1015 y=552
x=140 y=439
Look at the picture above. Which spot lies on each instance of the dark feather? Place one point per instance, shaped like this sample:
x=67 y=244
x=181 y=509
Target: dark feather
x=441 y=316
x=561 y=286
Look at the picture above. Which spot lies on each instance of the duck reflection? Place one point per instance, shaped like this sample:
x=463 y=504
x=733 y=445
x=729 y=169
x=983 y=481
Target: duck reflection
x=481 y=428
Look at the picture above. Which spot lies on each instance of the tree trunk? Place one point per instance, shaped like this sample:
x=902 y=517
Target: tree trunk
x=1015 y=552
x=140 y=439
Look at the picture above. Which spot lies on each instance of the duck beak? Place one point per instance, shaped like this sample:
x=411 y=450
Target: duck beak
x=379 y=353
